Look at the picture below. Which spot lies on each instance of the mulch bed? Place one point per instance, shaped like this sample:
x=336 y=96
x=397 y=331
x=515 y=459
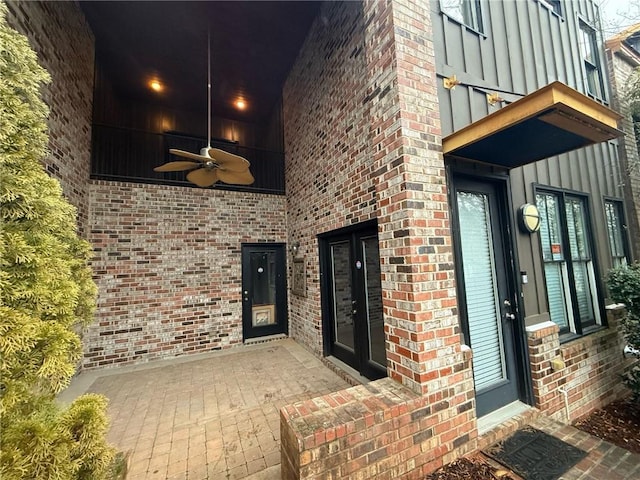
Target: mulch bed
x=470 y=468
x=618 y=423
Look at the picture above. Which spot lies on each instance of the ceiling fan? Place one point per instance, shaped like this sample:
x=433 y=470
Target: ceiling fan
x=211 y=164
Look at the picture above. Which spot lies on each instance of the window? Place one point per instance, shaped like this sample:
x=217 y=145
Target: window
x=633 y=41
x=554 y=5
x=615 y=232
x=636 y=128
x=589 y=49
x=466 y=12
x=568 y=261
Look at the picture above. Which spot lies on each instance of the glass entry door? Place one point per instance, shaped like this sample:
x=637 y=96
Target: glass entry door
x=264 y=303
x=486 y=313
x=353 y=320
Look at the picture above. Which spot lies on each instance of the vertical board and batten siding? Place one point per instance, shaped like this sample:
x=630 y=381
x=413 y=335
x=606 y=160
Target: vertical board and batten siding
x=525 y=46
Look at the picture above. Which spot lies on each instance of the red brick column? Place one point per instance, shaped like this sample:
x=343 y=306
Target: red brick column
x=544 y=346
x=415 y=243
x=362 y=136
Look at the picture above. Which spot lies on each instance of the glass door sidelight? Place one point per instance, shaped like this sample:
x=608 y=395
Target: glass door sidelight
x=352 y=300
x=264 y=302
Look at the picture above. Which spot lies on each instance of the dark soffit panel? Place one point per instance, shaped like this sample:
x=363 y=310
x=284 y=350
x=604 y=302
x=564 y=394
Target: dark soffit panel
x=254 y=45
x=550 y=121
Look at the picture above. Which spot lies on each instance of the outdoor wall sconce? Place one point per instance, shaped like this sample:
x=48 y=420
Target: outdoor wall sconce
x=493 y=98
x=294 y=248
x=450 y=82
x=529 y=218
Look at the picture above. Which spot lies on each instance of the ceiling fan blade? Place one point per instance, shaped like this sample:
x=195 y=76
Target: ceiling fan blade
x=193 y=156
x=228 y=161
x=203 y=177
x=235 y=178
x=176 y=166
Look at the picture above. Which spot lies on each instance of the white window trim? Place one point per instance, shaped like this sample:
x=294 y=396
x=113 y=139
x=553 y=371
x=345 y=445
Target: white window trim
x=567 y=298
x=594 y=293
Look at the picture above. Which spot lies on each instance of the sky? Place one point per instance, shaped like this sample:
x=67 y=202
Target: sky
x=618 y=15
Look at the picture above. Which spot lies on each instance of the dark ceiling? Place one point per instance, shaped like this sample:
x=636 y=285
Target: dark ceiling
x=254 y=45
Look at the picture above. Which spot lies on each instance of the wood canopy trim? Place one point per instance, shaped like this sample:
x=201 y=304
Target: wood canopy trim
x=550 y=121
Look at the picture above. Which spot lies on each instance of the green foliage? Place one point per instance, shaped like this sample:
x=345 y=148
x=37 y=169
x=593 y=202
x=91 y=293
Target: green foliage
x=45 y=442
x=119 y=466
x=632 y=381
x=46 y=293
x=624 y=287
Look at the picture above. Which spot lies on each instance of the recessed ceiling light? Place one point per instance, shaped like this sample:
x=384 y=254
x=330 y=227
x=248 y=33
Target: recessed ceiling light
x=156 y=86
x=240 y=104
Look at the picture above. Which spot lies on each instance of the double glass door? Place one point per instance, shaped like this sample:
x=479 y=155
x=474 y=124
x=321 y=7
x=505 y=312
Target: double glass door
x=353 y=320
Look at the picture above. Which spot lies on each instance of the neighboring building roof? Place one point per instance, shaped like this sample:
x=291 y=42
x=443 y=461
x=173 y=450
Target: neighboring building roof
x=626 y=43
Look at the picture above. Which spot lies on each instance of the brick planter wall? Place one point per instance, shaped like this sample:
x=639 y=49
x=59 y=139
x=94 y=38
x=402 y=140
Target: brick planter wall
x=58 y=32
x=589 y=368
x=168 y=268
x=381 y=431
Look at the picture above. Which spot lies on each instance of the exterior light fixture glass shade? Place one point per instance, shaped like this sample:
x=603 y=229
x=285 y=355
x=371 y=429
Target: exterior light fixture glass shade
x=529 y=218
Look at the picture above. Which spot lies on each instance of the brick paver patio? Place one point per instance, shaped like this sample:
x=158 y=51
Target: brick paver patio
x=209 y=417
x=216 y=416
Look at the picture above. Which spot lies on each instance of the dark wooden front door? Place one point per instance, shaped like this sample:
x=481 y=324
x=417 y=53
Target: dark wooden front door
x=353 y=321
x=264 y=291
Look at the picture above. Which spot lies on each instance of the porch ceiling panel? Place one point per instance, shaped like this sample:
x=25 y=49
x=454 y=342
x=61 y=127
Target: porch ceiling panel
x=550 y=121
x=254 y=44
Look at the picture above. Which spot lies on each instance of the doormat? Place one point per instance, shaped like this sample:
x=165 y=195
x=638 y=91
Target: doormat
x=534 y=455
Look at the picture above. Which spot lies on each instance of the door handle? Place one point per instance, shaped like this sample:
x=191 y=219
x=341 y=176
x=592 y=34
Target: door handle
x=508 y=315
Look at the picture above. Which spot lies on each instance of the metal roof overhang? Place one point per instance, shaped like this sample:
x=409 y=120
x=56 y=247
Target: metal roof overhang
x=552 y=120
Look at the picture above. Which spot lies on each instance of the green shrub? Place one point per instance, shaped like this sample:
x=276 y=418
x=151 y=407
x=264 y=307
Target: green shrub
x=624 y=287
x=46 y=293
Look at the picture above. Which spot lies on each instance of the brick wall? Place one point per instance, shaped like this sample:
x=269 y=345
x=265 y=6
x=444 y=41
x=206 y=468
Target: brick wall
x=381 y=431
x=362 y=141
x=589 y=368
x=329 y=172
x=168 y=268
x=620 y=69
x=58 y=32
x=418 y=278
